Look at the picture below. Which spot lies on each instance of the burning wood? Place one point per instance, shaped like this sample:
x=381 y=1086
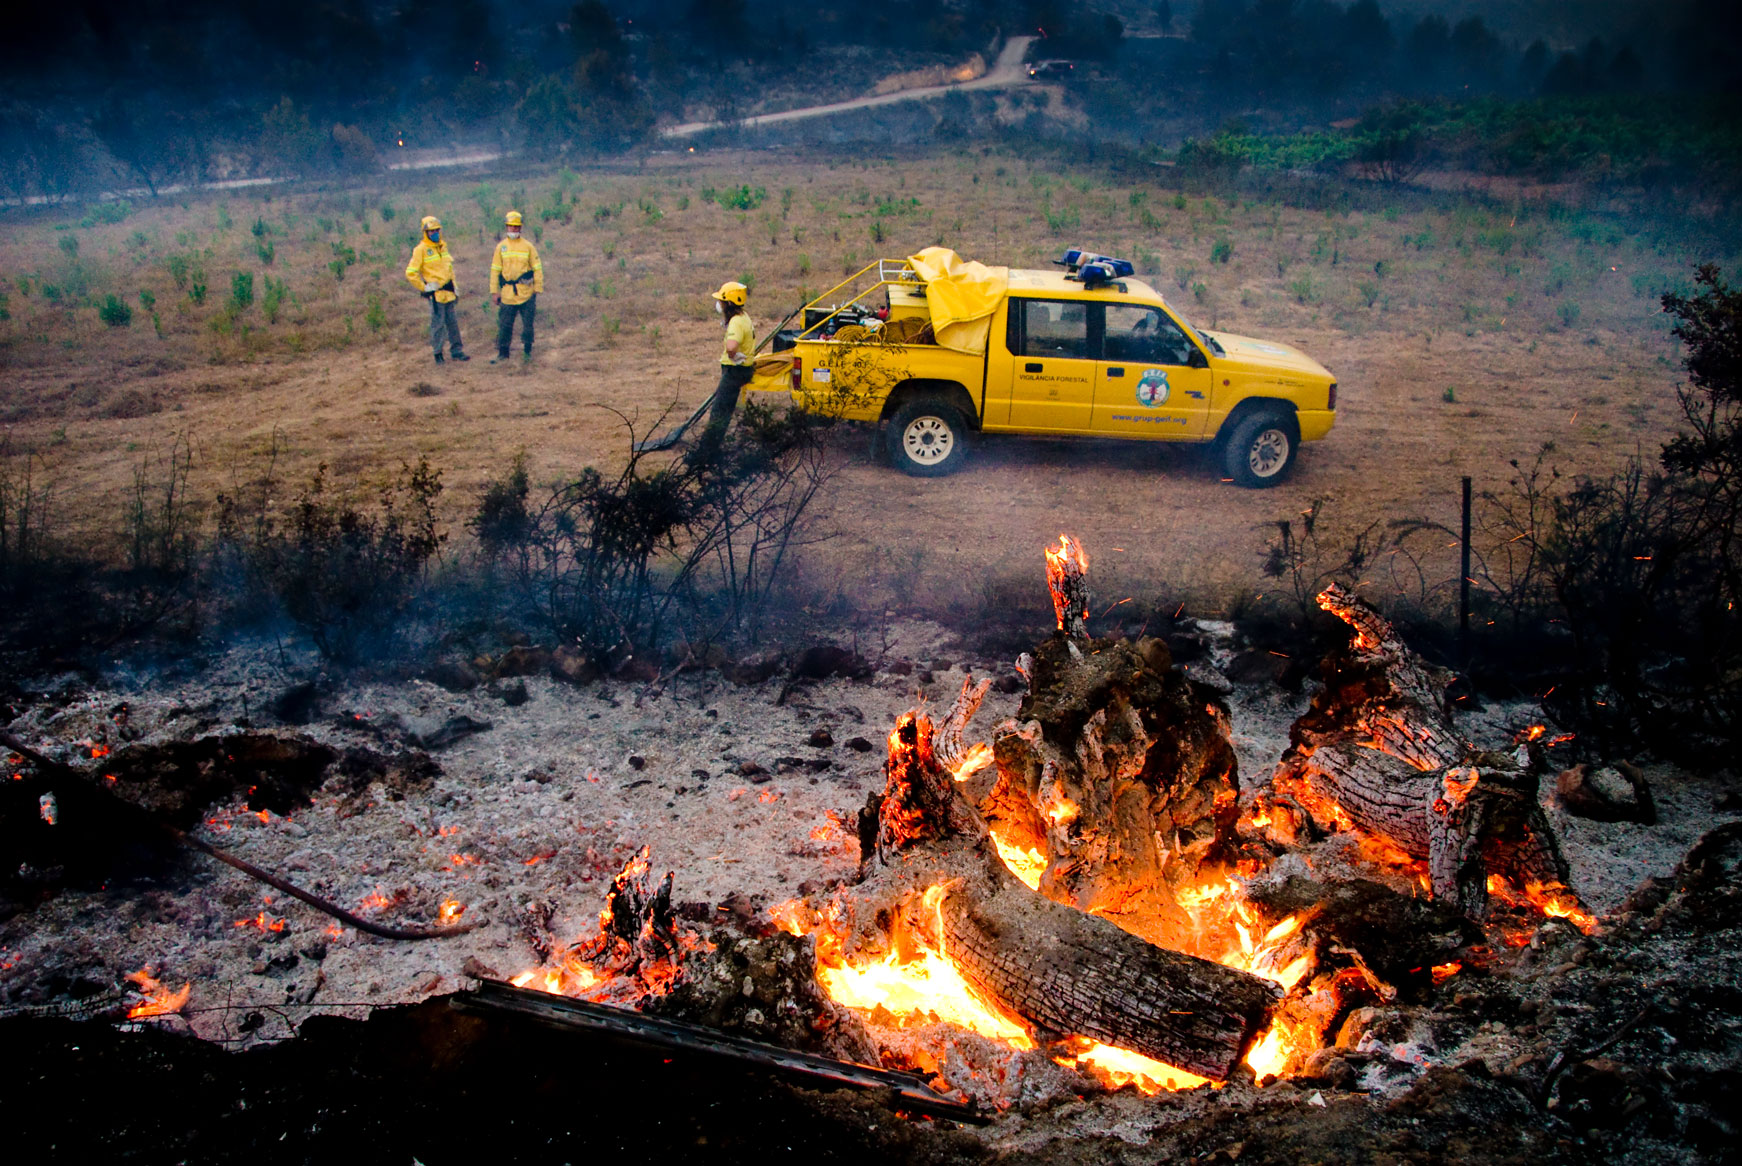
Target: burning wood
x=1378 y=751
x=1118 y=781
x=1067 y=577
x=1055 y=968
x=639 y=949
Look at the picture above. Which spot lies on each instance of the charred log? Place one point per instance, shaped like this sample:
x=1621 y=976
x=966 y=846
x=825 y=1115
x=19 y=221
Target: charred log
x=1119 y=769
x=1378 y=750
x=1059 y=968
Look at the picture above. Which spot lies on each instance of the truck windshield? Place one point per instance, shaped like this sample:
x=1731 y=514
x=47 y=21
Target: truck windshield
x=1209 y=341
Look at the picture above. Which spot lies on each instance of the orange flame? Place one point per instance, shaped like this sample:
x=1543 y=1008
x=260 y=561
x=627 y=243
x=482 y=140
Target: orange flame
x=159 y=1001
x=1026 y=863
x=1066 y=561
x=451 y=910
x=1443 y=972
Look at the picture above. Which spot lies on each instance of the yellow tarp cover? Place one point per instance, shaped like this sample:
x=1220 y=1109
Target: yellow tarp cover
x=773 y=373
x=962 y=296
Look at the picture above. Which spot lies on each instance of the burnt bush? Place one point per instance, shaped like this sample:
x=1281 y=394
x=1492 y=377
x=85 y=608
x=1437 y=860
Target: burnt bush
x=342 y=572
x=615 y=563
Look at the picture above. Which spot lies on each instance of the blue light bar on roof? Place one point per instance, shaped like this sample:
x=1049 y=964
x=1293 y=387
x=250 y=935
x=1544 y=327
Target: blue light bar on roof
x=1077 y=263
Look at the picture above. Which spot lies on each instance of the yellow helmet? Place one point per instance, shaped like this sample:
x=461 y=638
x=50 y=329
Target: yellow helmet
x=732 y=292
x=431 y=223
x=513 y=219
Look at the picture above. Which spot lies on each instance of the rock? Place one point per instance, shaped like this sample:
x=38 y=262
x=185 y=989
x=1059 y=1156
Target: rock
x=513 y=695
x=752 y=669
x=426 y=733
x=1256 y=666
x=572 y=665
x=900 y=668
x=859 y=745
x=1606 y=794
x=524 y=661
x=454 y=675
x=478 y=969
x=297 y=704
x=754 y=772
x=638 y=670
x=637 y=762
x=824 y=660
x=820 y=739
x=1010 y=684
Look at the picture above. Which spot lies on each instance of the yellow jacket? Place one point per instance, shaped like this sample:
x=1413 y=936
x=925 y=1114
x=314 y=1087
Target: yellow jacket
x=516 y=271
x=431 y=261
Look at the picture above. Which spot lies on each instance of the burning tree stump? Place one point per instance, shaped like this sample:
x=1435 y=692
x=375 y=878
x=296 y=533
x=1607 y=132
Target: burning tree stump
x=1061 y=969
x=1378 y=750
x=1117 y=776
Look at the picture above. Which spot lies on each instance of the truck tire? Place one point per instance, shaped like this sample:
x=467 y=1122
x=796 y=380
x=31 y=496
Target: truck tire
x=926 y=438
x=1259 y=450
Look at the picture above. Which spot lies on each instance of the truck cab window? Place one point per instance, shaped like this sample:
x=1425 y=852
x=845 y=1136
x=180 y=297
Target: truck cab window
x=1145 y=336
x=1056 y=328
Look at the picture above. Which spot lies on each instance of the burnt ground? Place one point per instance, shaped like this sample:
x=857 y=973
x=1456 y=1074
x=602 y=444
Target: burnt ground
x=520 y=800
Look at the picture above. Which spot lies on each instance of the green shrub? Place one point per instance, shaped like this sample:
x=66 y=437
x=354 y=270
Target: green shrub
x=1303 y=289
x=1568 y=311
x=1222 y=250
x=267 y=251
x=106 y=212
x=741 y=198
x=386 y=212
x=261 y=228
x=197 y=284
x=376 y=315
x=69 y=245
x=179 y=265
x=147 y=300
x=115 y=312
x=242 y=290
x=272 y=298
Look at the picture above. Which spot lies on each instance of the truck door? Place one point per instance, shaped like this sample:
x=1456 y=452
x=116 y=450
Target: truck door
x=1152 y=380
x=1052 y=377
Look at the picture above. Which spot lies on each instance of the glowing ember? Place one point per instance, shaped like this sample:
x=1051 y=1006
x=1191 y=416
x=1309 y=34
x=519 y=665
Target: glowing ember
x=451 y=910
x=1443 y=972
x=263 y=921
x=1119 y=1067
x=159 y=1001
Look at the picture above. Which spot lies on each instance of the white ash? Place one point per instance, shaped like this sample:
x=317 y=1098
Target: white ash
x=545 y=806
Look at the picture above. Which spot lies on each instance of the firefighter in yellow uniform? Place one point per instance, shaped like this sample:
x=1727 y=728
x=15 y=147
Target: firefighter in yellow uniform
x=516 y=278
x=431 y=272
x=737 y=363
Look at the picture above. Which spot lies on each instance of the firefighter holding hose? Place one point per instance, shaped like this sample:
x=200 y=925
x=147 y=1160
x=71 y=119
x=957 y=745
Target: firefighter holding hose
x=516 y=278
x=431 y=272
x=737 y=360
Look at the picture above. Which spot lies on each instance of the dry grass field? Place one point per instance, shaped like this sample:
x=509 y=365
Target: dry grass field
x=1464 y=335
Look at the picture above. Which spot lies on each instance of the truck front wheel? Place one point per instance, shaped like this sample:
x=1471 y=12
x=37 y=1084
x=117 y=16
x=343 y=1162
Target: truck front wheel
x=1260 y=450
x=926 y=438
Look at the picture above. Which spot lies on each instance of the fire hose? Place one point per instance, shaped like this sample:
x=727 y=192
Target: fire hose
x=49 y=765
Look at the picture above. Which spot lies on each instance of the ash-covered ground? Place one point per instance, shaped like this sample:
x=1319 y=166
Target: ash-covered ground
x=516 y=800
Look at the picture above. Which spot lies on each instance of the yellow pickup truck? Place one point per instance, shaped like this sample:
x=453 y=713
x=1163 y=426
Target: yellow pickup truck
x=956 y=347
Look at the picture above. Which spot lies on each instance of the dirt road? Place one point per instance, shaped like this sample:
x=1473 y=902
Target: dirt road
x=1006 y=71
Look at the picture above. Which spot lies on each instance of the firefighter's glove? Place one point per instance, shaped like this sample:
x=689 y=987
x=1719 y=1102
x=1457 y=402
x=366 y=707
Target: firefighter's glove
x=430 y=286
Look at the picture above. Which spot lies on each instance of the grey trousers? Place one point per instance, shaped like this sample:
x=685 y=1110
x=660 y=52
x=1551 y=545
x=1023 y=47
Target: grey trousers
x=528 y=313
x=442 y=319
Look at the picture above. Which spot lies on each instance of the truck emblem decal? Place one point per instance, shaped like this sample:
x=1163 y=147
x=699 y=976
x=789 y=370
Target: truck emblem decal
x=1152 y=387
x=820 y=374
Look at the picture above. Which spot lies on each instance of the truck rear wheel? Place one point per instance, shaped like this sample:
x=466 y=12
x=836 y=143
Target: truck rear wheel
x=926 y=438
x=1260 y=449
